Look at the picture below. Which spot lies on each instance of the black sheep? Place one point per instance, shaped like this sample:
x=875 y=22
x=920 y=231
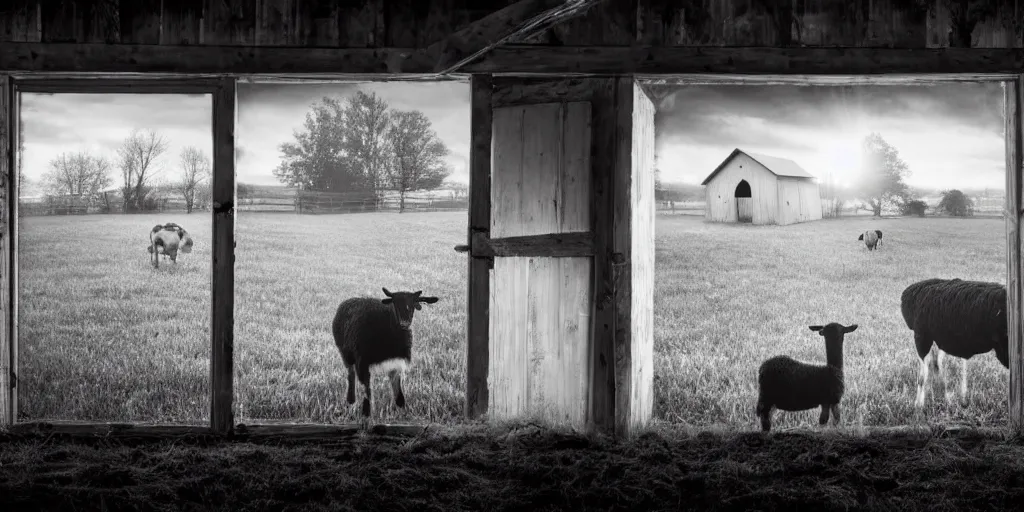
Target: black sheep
x=376 y=333
x=961 y=318
x=790 y=385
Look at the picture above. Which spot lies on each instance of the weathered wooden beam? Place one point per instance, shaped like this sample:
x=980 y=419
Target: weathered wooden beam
x=479 y=286
x=603 y=160
x=109 y=430
x=309 y=431
x=118 y=85
x=563 y=60
x=1014 y=104
x=551 y=245
x=193 y=59
x=510 y=91
x=222 y=321
x=514 y=23
x=651 y=83
x=7 y=165
x=512 y=59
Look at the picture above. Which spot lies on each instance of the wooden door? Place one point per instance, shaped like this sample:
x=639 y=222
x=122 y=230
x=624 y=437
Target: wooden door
x=745 y=209
x=558 y=204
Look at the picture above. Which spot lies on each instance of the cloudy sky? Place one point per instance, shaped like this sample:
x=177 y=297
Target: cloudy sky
x=950 y=135
x=99 y=123
x=267 y=116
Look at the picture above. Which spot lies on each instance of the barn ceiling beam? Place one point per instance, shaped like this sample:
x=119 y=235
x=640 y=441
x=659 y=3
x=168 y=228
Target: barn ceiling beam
x=506 y=59
x=662 y=60
x=515 y=23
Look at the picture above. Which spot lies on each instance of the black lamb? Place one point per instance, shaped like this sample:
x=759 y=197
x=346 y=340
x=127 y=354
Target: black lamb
x=961 y=318
x=377 y=333
x=790 y=385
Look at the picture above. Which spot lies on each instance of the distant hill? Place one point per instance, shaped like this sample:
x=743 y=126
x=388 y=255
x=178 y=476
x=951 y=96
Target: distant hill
x=677 y=191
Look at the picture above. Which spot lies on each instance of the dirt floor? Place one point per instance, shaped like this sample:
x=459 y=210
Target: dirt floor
x=522 y=468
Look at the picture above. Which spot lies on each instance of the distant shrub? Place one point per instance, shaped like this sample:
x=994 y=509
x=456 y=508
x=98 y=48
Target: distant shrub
x=956 y=204
x=913 y=207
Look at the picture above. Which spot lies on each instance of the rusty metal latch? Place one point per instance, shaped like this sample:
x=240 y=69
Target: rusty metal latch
x=461 y=248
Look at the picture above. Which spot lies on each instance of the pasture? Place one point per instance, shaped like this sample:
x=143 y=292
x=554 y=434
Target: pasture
x=104 y=337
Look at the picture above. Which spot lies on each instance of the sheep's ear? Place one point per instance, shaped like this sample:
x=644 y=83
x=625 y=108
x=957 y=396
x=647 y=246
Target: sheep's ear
x=386 y=292
x=428 y=300
x=386 y=301
x=816 y=327
x=861 y=237
x=850 y=328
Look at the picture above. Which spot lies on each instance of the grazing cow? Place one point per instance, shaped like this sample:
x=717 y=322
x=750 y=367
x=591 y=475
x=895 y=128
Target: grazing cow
x=168 y=239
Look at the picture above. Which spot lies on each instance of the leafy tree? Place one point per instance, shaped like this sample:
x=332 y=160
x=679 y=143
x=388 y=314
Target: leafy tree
x=882 y=174
x=137 y=158
x=418 y=154
x=363 y=145
x=956 y=203
x=366 y=145
x=314 y=160
x=196 y=171
x=913 y=207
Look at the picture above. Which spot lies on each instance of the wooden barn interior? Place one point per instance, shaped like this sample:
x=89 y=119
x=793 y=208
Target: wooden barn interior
x=576 y=78
x=581 y=77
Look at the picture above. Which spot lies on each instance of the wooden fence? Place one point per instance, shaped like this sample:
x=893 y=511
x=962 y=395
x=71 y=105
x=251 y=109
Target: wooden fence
x=285 y=201
x=983 y=207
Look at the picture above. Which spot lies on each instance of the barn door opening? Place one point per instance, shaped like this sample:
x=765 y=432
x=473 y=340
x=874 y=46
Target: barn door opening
x=744 y=203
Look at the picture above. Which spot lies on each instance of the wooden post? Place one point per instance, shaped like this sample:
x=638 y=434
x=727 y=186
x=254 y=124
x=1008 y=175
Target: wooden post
x=8 y=215
x=1014 y=96
x=603 y=167
x=479 y=286
x=223 y=299
x=623 y=221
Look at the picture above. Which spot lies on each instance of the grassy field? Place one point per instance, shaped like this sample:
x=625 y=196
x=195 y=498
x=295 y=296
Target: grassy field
x=104 y=337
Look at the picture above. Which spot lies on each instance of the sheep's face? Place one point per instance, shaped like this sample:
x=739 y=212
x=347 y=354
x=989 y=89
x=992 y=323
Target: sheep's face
x=833 y=332
x=186 y=243
x=405 y=304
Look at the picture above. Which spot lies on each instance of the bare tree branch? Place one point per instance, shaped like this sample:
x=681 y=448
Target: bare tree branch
x=137 y=157
x=195 y=172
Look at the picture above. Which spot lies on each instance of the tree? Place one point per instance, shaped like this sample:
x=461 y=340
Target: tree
x=136 y=158
x=882 y=174
x=314 y=161
x=78 y=174
x=418 y=155
x=367 y=122
x=196 y=171
x=914 y=207
x=956 y=203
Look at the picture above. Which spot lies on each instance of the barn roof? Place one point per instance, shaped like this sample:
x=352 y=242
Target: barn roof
x=778 y=166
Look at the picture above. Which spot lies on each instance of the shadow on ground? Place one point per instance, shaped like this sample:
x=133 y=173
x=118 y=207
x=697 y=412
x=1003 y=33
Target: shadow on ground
x=522 y=468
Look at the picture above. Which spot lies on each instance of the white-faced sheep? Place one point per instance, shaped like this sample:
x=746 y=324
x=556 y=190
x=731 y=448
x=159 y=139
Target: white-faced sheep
x=872 y=238
x=790 y=385
x=168 y=239
x=374 y=333
x=960 y=318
